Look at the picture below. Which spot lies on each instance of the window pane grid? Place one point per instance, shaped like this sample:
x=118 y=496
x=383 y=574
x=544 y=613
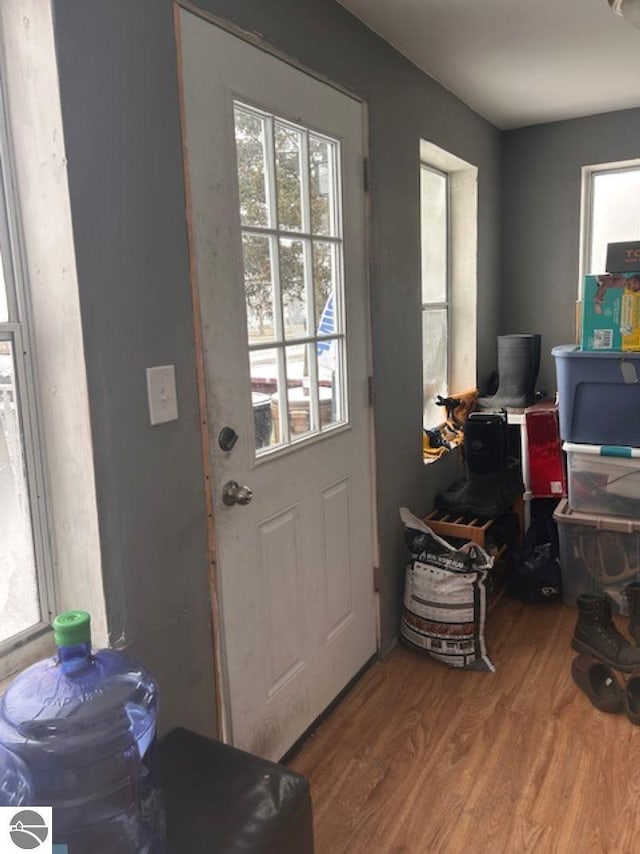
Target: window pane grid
x=294 y=235
x=26 y=572
x=283 y=384
x=314 y=396
x=289 y=159
x=23 y=560
x=8 y=290
x=7 y=311
x=435 y=232
x=337 y=397
x=306 y=189
x=295 y=309
x=614 y=212
x=308 y=285
x=434 y=216
x=310 y=339
x=435 y=325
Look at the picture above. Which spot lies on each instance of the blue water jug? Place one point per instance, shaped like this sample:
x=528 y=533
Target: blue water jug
x=84 y=723
x=16 y=788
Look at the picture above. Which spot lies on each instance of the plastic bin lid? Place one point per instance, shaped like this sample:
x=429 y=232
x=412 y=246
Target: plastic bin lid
x=573 y=351
x=565 y=515
x=565 y=350
x=601 y=450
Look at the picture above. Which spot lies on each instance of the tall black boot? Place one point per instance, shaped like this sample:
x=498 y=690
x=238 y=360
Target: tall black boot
x=518 y=366
x=632 y=595
x=596 y=634
x=537 y=348
x=483 y=494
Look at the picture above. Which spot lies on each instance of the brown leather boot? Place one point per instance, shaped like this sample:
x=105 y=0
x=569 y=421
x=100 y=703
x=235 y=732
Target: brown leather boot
x=598 y=681
x=596 y=634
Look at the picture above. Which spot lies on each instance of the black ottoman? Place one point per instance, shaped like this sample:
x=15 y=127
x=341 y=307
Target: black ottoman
x=219 y=800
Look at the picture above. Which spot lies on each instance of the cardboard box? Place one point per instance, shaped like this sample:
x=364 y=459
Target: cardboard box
x=611 y=312
x=623 y=257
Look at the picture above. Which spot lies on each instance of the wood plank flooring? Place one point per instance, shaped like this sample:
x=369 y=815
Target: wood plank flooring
x=421 y=759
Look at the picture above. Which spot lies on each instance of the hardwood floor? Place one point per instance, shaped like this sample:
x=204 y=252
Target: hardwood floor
x=423 y=759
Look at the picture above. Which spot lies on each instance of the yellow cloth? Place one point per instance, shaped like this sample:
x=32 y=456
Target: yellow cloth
x=458 y=408
x=429 y=453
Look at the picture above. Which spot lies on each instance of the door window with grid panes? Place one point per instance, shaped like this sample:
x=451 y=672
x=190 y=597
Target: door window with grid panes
x=289 y=192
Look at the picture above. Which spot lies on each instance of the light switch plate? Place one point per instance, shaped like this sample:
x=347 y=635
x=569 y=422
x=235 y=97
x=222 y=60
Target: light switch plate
x=161 y=389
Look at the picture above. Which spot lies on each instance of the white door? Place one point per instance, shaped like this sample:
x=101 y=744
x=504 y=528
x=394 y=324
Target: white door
x=275 y=172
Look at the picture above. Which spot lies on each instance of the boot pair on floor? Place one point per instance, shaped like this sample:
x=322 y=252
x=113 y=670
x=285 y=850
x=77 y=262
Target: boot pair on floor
x=603 y=650
x=600 y=683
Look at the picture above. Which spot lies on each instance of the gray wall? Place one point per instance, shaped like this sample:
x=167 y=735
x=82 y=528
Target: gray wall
x=120 y=110
x=541 y=224
x=120 y=113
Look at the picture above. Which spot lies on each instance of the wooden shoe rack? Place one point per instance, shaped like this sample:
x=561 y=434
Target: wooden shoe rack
x=465 y=528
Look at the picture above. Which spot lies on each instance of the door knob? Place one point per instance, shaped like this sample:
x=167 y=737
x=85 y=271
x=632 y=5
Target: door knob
x=233 y=493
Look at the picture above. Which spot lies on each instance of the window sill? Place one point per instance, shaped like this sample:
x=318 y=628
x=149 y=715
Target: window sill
x=430 y=460
x=438 y=453
x=24 y=655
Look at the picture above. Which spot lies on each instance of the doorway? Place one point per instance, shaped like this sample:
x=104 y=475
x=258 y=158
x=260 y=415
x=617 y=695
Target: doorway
x=274 y=168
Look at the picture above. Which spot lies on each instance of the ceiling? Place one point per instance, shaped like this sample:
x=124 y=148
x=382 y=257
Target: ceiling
x=516 y=62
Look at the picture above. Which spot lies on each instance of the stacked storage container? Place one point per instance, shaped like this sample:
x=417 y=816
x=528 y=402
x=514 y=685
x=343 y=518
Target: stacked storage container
x=599 y=523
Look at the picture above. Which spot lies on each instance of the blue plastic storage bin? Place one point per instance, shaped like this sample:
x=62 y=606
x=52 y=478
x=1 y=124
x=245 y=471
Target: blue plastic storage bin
x=84 y=724
x=598 y=396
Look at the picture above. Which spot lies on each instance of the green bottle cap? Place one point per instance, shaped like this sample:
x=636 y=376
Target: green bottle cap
x=72 y=628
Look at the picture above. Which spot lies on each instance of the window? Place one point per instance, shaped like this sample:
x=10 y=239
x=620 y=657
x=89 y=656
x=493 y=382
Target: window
x=611 y=211
x=449 y=242
x=289 y=193
x=26 y=599
x=434 y=223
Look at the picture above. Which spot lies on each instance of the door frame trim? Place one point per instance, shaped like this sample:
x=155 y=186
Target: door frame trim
x=216 y=633
x=223 y=715
x=263 y=45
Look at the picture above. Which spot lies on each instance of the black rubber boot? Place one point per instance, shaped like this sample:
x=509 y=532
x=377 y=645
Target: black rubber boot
x=485 y=492
x=596 y=634
x=518 y=366
x=537 y=347
x=632 y=595
x=481 y=496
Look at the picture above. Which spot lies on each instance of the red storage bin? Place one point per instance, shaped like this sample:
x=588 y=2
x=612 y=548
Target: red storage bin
x=546 y=463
